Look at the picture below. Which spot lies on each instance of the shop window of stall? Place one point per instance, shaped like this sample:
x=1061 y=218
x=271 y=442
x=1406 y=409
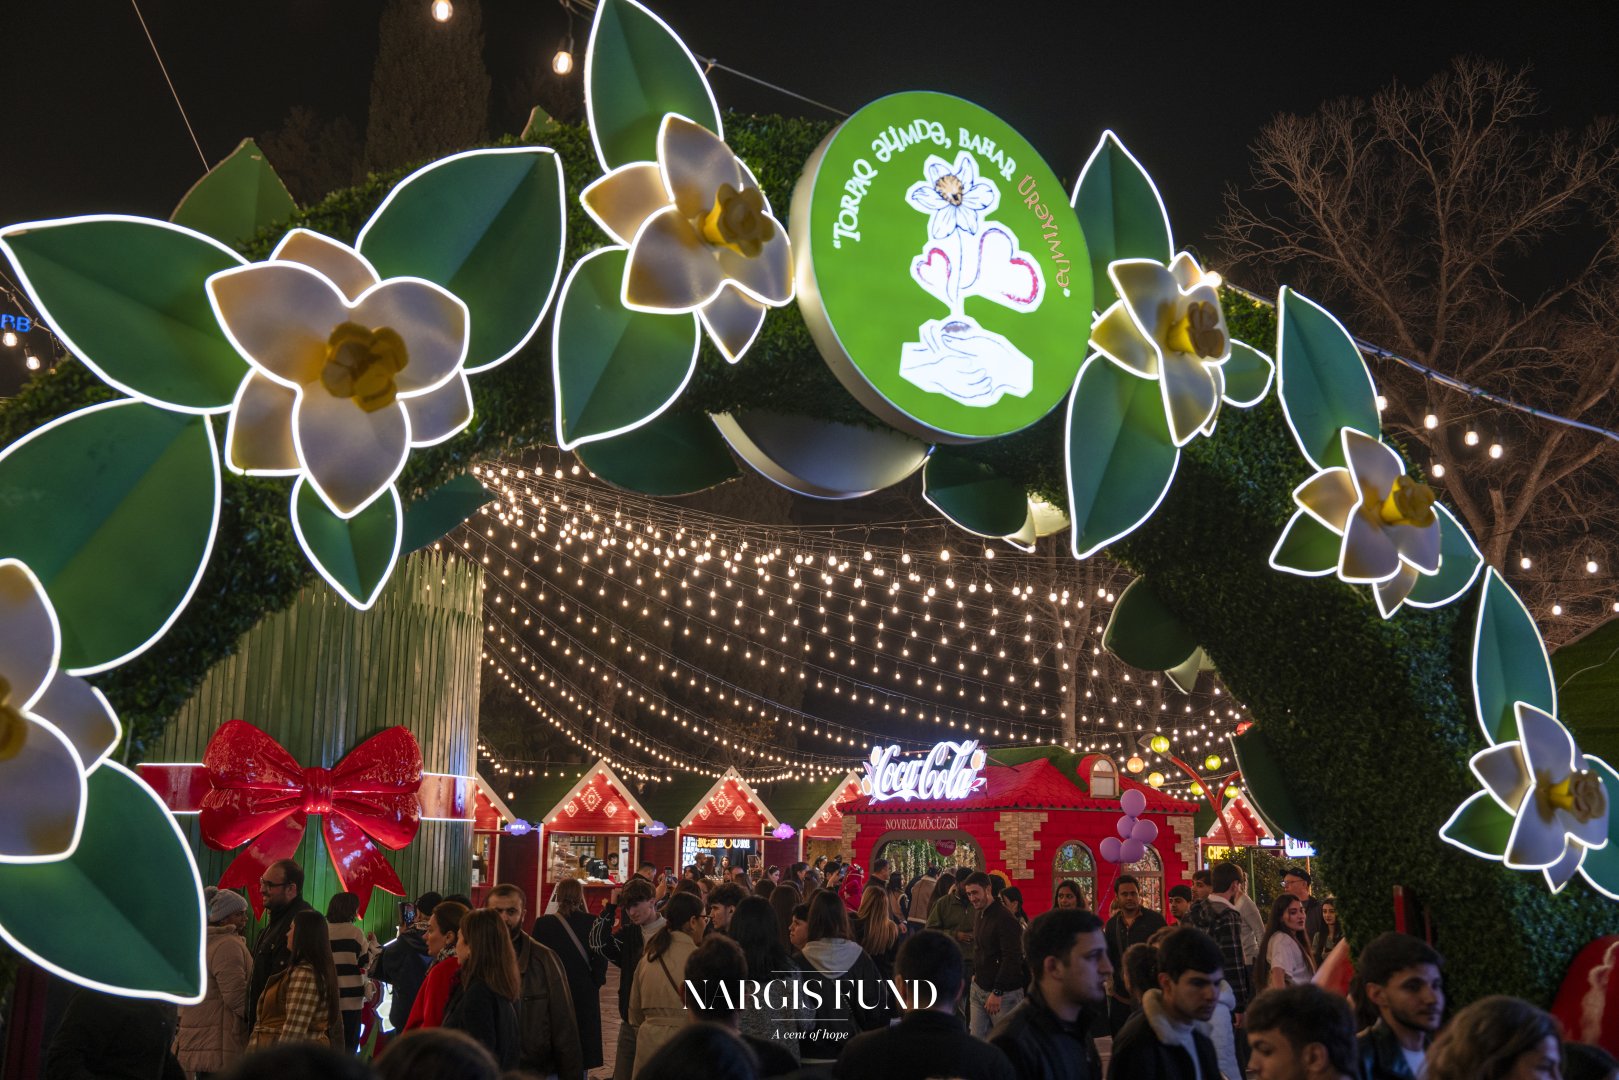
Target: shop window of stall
x=1104 y=779
x=1074 y=862
x=911 y=856
x=1149 y=871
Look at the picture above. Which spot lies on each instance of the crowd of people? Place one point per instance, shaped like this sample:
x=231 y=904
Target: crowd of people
x=822 y=970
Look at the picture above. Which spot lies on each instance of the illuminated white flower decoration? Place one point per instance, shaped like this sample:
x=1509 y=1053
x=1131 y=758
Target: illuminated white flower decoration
x=954 y=195
x=1389 y=528
x=348 y=371
x=1557 y=796
x=700 y=233
x=1168 y=325
x=54 y=727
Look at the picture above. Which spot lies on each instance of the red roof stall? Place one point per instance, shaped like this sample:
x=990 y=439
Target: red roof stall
x=723 y=818
x=1037 y=814
x=814 y=809
x=498 y=856
x=589 y=826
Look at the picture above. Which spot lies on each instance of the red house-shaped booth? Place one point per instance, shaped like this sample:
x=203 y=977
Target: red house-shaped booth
x=724 y=818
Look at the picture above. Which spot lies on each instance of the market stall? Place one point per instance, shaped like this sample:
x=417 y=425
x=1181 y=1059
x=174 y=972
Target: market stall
x=723 y=819
x=588 y=825
x=500 y=855
x=1038 y=814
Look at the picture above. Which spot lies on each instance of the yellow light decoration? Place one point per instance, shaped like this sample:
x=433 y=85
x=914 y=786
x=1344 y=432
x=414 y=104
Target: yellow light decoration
x=1212 y=762
x=1196 y=788
x=1135 y=764
x=1160 y=744
x=1232 y=791
x=1155 y=780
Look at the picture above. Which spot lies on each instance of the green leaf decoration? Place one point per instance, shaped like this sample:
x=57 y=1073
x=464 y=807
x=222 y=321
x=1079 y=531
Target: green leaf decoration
x=1120 y=213
x=973 y=495
x=1322 y=380
x=236 y=198
x=114 y=507
x=1185 y=674
x=1121 y=457
x=1601 y=867
x=675 y=454
x=636 y=71
x=1459 y=562
x=442 y=509
x=1481 y=826
x=1587 y=673
x=126 y=296
x=355 y=555
x=132 y=880
x=489 y=226
x=1248 y=376
x=1509 y=662
x=613 y=369
x=1269 y=783
x=1307 y=547
x=1144 y=633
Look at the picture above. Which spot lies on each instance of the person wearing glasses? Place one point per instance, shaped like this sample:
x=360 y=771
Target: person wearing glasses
x=283 y=888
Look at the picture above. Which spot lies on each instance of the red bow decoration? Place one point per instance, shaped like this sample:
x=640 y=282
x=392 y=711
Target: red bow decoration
x=260 y=793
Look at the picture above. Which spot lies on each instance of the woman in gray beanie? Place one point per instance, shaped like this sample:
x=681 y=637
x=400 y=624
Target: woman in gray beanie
x=214 y=1031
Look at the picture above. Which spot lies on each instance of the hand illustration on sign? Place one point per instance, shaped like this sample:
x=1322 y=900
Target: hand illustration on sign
x=968 y=255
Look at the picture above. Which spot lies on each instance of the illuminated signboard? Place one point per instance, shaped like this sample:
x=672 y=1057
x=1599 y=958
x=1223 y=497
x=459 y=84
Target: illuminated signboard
x=941 y=269
x=1297 y=849
x=948 y=771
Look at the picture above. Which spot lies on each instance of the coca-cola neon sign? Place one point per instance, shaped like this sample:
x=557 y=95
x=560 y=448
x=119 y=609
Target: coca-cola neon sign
x=948 y=771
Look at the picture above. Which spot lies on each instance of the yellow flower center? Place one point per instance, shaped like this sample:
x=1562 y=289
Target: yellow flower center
x=1409 y=502
x=361 y=364
x=1580 y=793
x=13 y=728
x=1197 y=332
x=738 y=221
x=950 y=189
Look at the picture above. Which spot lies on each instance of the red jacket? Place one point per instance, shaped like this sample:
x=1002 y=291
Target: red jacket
x=428 y=1011
x=853 y=886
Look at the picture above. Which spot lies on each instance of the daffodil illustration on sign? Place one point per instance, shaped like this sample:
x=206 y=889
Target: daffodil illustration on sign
x=54 y=728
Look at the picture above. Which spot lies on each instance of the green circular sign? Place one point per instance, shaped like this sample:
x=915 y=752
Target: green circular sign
x=940 y=268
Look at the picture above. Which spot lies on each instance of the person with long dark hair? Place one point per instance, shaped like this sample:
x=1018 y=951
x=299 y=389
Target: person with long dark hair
x=565 y=932
x=1497 y=1038
x=1284 y=954
x=1012 y=898
x=1068 y=897
x=853 y=998
x=1332 y=931
x=753 y=927
x=875 y=930
x=657 y=999
x=483 y=1002
x=443 y=933
x=353 y=951
x=300 y=1002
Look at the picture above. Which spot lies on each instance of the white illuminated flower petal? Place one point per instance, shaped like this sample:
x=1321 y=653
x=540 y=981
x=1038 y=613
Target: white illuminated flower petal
x=733 y=320
x=258 y=436
x=1191 y=395
x=621 y=201
x=351 y=456
x=1368 y=554
x=1187 y=274
x=338 y=263
x=1535 y=842
x=279 y=316
x=431 y=321
x=439 y=414
x=1501 y=770
x=1418 y=545
x=83 y=716
x=1147 y=288
x=1330 y=497
x=30 y=639
x=1391 y=593
x=767 y=276
x=694 y=163
x=1372 y=463
x=1547 y=745
x=1563 y=870
x=671 y=268
x=42 y=796
x=1117 y=337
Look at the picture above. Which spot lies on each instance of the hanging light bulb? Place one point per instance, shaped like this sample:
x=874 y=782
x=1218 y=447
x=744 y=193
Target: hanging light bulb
x=1382 y=403
x=1496 y=450
x=1430 y=421
x=1156 y=780
x=1438 y=471
x=1557 y=609
x=442 y=10
x=1591 y=566
x=8 y=339
x=562 y=62
x=31 y=362
x=1471 y=438
x=1526 y=562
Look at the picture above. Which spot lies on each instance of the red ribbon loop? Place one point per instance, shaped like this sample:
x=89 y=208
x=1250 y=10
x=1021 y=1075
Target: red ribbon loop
x=261 y=794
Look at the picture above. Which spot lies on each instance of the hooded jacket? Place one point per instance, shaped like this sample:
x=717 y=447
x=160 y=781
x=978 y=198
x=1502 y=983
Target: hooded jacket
x=213 y=1032
x=851 y=995
x=1151 y=1046
x=403 y=965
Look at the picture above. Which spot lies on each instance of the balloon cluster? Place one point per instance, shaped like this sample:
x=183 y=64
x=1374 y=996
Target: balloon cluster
x=1134 y=833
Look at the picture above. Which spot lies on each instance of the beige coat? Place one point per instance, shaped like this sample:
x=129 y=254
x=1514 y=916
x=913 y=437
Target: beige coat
x=213 y=1032
x=657 y=1004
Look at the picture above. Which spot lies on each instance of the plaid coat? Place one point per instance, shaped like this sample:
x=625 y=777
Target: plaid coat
x=293 y=1008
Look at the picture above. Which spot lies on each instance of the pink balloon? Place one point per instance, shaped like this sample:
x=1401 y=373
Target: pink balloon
x=1110 y=848
x=1145 y=831
x=1131 y=851
x=1133 y=802
x=1124 y=827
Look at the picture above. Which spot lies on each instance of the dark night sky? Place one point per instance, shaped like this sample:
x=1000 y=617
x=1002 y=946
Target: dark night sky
x=90 y=125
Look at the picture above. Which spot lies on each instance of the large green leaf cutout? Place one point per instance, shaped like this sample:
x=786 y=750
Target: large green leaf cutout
x=1144 y=633
x=114 y=507
x=355 y=555
x=1480 y=826
x=636 y=71
x=236 y=198
x=1267 y=781
x=489 y=226
x=1185 y=674
x=1307 y=547
x=675 y=454
x=442 y=509
x=1247 y=374
x=1459 y=562
x=1322 y=380
x=1509 y=662
x=123 y=913
x=613 y=369
x=1121 y=457
x=1587 y=672
x=1601 y=867
x=126 y=296
x=973 y=495
x=1120 y=214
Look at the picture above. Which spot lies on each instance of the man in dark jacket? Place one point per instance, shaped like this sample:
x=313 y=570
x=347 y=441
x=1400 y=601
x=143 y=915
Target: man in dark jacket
x=1047 y=1037
x=623 y=947
x=998 y=976
x=1402 y=977
x=1133 y=925
x=404 y=962
x=930 y=1040
x=545 y=1019
x=1168 y=1039
x=108 y=1035
x=283 y=885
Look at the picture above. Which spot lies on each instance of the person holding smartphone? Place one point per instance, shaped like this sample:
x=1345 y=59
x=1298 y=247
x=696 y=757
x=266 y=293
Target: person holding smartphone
x=404 y=960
